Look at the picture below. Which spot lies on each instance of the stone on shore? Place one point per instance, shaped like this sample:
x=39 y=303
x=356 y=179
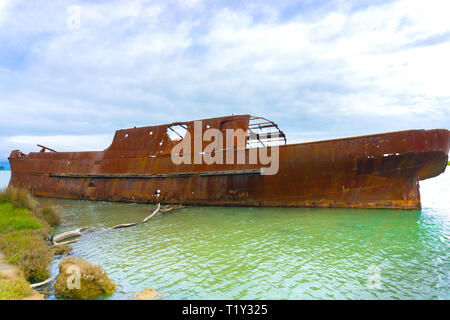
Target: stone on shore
x=79 y=279
x=62 y=249
x=148 y=294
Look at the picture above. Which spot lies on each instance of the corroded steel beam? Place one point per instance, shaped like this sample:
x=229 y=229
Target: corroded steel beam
x=152 y=176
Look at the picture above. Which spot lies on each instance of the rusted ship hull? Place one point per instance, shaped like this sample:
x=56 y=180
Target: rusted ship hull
x=375 y=171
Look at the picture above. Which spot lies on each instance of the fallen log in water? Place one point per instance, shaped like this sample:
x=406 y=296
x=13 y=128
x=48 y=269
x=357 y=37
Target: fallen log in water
x=35 y=285
x=126 y=225
x=78 y=232
x=56 y=244
x=68 y=234
x=158 y=209
x=171 y=208
x=152 y=215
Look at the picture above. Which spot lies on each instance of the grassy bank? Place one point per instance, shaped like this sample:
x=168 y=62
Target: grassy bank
x=24 y=224
x=14 y=289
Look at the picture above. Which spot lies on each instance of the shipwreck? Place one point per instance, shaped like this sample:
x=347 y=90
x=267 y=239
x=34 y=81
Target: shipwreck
x=372 y=171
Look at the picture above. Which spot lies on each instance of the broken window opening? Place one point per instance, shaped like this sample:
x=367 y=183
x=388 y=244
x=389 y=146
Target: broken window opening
x=176 y=132
x=264 y=133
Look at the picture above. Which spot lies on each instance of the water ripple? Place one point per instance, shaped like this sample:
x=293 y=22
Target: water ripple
x=272 y=253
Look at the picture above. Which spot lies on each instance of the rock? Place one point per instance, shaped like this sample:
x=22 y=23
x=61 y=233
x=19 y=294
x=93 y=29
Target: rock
x=79 y=279
x=148 y=294
x=62 y=249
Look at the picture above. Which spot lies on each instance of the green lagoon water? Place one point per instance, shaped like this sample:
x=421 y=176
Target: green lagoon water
x=271 y=253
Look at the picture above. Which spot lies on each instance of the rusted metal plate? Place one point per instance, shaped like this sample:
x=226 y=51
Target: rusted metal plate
x=374 y=171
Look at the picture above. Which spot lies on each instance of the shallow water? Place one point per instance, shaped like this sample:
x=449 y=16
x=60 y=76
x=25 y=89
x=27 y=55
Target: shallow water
x=272 y=253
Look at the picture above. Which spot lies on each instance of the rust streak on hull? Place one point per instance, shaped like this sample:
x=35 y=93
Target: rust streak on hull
x=374 y=171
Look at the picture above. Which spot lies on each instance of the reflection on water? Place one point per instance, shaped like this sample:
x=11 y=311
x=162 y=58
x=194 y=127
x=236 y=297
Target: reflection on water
x=272 y=253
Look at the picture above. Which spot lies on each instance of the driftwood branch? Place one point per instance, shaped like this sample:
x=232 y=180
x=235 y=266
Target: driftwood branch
x=65 y=242
x=66 y=235
x=171 y=208
x=126 y=225
x=78 y=233
x=152 y=215
x=69 y=234
x=35 y=285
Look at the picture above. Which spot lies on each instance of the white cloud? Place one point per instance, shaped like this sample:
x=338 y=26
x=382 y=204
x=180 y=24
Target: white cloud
x=3 y=4
x=379 y=68
x=58 y=143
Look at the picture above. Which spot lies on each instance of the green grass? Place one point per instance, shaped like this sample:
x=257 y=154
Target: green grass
x=27 y=249
x=22 y=241
x=17 y=219
x=14 y=289
x=24 y=223
x=49 y=213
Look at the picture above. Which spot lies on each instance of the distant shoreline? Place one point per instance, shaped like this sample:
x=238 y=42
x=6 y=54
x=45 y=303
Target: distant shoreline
x=4 y=165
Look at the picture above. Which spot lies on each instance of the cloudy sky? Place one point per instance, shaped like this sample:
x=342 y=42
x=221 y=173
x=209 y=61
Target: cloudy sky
x=72 y=72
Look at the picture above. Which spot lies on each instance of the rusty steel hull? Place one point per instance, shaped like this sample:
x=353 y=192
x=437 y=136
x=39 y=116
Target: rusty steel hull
x=375 y=171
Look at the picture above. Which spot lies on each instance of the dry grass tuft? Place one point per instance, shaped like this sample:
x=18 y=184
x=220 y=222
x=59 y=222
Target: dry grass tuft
x=49 y=212
x=14 y=289
x=92 y=280
x=29 y=251
x=24 y=223
x=19 y=198
x=62 y=249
